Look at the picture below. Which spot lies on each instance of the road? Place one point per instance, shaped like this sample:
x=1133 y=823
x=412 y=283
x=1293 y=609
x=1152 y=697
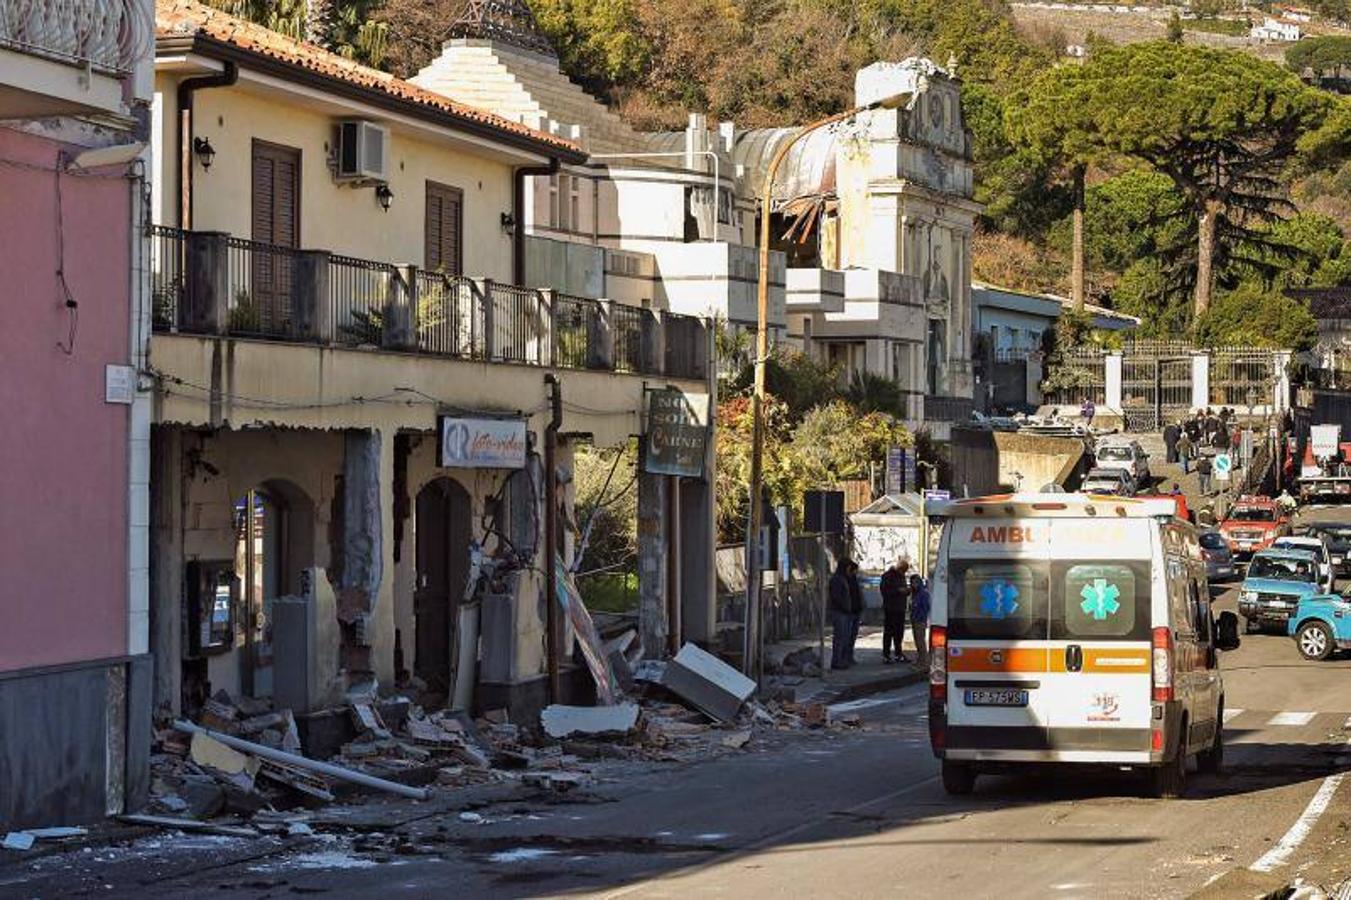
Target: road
x=857 y=813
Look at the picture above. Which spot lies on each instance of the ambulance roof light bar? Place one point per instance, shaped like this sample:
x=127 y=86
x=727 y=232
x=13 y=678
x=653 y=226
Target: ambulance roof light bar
x=1069 y=506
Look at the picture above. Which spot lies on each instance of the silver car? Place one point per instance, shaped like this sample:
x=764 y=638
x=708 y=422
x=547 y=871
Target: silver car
x=1219 y=561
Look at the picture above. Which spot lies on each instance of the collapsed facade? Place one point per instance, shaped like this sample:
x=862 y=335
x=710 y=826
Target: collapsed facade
x=872 y=220
x=354 y=389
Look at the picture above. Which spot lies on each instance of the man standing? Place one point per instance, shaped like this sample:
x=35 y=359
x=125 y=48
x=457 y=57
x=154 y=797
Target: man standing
x=1170 y=435
x=920 y=604
x=895 y=589
x=855 y=609
x=1184 y=452
x=1088 y=411
x=1203 y=470
x=846 y=604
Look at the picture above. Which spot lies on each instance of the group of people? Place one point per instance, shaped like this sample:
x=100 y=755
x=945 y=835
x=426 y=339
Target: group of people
x=902 y=591
x=1187 y=441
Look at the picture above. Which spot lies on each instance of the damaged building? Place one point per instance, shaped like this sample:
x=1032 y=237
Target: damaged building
x=356 y=392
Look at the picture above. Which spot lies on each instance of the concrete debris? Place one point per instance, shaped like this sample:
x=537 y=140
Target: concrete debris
x=650 y=671
x=555 y=781
x=814 y=715
x=708 y=683
x=18 y=840
x=561 y=721
x=737 y=739
x=190 y=825
x=236 y=768
x=471 y=818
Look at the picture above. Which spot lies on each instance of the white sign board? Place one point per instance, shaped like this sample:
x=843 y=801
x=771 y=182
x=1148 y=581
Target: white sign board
x=481 y=443
x=1223 y=465
x=1325 y=440
x=119 y=384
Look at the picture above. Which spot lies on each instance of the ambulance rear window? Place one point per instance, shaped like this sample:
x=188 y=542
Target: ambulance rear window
x=997 y=600
x=1100 y=601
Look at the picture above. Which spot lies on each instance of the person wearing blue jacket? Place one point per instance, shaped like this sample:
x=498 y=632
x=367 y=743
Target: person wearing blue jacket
x=921 y=603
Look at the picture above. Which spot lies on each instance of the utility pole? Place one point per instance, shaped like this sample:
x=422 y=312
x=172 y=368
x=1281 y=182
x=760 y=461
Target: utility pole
x=554 y=638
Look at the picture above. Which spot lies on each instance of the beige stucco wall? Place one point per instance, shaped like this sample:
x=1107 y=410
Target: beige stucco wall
x=344 y=219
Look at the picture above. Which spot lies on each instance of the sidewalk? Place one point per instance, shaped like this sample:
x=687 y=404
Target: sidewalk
x=869 y=676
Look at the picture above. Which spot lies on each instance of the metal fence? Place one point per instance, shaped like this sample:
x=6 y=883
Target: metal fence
x=167 y=275
x=449 y=315
x=575 y=328
x=360 y=295
x=627 y=324
x=1082 y=375
x=1241 y=377
x=686 y=354
x=259 y=288
x=1156 y=384
x=948 y=409
x=518 y=322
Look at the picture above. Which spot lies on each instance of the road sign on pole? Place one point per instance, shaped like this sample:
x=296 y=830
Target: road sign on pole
x=1223 y=465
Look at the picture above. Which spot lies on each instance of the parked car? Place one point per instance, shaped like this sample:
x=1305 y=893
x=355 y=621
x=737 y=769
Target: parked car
x=1219 y=561
x=1275 y=583
x=1315 y=545
x=1253 y=524
x=1128 y=455
x=1337 y=535
x=1116 y=482
x=1321 y=625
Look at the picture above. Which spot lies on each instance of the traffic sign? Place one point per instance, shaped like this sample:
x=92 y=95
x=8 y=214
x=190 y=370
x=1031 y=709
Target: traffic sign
x=1223 y=465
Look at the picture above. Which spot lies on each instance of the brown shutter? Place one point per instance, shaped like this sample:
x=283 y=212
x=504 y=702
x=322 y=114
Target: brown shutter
x=444 y=241
x=265 y=303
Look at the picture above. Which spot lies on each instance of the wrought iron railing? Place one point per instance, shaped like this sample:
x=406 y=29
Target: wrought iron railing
x=576 y=326
x=213 y=283
x=168 y=272
x=948 y=409
x=106 y=35
x=259 y=288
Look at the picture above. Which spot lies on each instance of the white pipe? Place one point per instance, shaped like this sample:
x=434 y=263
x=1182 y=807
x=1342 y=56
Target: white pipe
x=717 y=179
x=305 y=762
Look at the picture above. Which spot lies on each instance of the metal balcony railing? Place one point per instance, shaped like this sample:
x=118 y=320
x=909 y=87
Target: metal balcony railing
x=947 y=409
x=106 y=35
x=214 y=283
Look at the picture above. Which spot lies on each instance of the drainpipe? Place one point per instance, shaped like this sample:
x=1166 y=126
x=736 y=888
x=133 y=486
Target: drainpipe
x=518 y=213
x=551 y=621
x=186 y=88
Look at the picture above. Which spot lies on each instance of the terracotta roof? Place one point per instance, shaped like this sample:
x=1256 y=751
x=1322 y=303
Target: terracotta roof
x=188 y=18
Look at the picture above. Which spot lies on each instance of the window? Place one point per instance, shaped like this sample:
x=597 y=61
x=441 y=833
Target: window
x=444 y=234
x=564 y=202
x=1211 y=540
x=997 y=600
x=1281 y=568
x=1100 y=601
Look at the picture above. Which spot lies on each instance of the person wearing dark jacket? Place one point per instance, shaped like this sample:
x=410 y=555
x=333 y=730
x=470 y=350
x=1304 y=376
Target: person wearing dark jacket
x=921 y=602
x=844 y=590
x=895 y=589
x=1170 y=435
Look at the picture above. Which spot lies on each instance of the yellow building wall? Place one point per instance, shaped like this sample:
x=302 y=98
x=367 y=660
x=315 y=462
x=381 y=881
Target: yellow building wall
x=333 y=216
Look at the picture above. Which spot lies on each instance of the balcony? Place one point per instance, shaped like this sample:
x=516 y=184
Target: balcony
x=70 y=57
x=720 y=280
x=815 y=290
x=211 y=283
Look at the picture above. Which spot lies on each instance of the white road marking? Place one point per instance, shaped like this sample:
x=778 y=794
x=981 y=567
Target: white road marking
x=1232 y=713
x=1292 y=718
x=1346 y=726
x=865 y=703
x=1280 y=854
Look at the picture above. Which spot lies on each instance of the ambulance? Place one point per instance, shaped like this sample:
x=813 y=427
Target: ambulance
x=1073 y=628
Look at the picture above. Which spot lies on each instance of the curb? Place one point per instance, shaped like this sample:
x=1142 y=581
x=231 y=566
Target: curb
x=846 y=692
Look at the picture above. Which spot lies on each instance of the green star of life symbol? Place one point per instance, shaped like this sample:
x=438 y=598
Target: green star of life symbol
x=1100 y=599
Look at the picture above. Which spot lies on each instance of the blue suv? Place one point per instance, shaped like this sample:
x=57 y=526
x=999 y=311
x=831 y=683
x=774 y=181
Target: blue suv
x=1275 y=583
x=1321 y=625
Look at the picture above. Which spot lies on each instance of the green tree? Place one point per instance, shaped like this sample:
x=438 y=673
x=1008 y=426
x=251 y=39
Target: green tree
x=1323 y=55
x=347 y=27
x=835 y=442
x=1220 y=124
x=1174 y=28
x=1253 y=316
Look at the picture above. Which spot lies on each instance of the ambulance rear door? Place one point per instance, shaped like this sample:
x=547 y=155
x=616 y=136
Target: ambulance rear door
x=1098 y=685
x=997 y=638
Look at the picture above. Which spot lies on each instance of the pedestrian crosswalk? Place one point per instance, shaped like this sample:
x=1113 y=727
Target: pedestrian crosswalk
x=1323 y=724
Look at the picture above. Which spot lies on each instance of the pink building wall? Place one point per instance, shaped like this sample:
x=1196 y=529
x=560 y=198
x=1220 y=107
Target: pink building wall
x=63 y=450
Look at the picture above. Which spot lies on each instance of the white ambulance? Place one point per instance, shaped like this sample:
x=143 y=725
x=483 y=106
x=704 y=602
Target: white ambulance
x=1073 y=628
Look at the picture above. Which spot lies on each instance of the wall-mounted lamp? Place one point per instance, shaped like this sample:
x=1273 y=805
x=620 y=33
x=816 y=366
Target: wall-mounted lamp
x=205 y=152
x=508 y=222
x=384 y=195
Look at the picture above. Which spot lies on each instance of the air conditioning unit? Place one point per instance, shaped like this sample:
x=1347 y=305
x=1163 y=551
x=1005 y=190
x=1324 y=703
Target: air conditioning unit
x=363 y=151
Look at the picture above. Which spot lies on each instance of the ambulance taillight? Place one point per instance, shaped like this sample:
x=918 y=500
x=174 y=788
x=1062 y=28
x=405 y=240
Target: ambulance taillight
x=938 y=663
x=1163 y=665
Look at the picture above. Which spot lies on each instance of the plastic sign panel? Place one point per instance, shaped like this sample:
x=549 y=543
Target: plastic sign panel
x=677 y=433
x=481 y=443
x=1223 y=465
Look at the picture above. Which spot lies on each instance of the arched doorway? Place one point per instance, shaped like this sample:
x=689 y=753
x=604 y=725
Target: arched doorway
x=444 y=531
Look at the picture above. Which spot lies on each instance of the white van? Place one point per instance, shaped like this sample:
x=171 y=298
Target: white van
x=1073 y=628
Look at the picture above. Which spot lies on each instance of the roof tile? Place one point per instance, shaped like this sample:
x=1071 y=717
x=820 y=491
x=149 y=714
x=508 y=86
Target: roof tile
x=184 y=18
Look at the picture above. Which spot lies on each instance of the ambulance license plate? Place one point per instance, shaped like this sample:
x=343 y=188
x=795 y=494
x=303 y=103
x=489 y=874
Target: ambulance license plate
x=995 y=697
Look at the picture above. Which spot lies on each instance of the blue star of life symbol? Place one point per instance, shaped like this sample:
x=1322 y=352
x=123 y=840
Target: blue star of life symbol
x=998 y=599
x=1100 y=599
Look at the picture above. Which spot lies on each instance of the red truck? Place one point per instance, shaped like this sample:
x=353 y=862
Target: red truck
x=1254 y=523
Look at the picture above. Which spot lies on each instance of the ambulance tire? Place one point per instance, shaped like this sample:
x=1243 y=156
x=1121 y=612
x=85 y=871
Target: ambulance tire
x=959 y=779
x=1212 y=761
x=1170 y=778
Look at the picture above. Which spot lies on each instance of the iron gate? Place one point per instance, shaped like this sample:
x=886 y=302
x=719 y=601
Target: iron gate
x=1081 y=376
x=1241 y=377
x=1156 y=383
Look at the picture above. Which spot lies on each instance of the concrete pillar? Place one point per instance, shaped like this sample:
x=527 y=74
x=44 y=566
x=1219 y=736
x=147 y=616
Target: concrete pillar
x=206 y=302
x=400 y=313
x=361 y=546
x=698 y=543
x=652 y=549
x=311 y=313
x=166 y=569
x=1200 y=379
x=1112 y=373
x=1280 y=400
x=487 y=340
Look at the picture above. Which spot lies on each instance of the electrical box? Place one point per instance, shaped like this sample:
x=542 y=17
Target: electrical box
x=212 y=594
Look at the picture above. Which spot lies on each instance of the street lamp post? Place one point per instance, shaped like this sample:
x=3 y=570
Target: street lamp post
x=751 y=648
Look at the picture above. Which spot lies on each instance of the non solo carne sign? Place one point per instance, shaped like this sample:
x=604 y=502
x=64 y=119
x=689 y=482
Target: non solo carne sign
x=481 y=443
x=677 y=432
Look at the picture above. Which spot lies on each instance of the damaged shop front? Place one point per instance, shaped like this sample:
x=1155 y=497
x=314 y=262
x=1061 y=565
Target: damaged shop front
x=318 y=536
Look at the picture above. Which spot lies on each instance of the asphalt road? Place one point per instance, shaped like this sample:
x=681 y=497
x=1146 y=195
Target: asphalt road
x=829 y=814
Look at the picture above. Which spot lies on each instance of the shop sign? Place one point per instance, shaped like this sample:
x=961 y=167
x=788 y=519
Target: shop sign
x=481 y=443
x=677 y=433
